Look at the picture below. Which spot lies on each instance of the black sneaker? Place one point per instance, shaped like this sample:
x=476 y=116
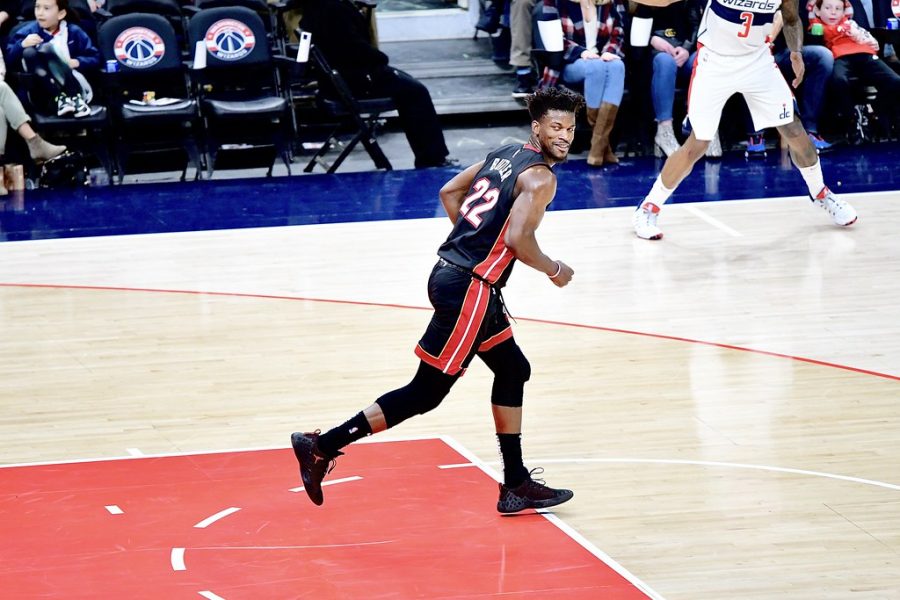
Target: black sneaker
x=531 y=493
x=314 y=465
x=524 y=88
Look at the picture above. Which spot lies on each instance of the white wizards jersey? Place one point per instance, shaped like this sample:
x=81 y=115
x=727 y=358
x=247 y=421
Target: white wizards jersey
x=737 y=27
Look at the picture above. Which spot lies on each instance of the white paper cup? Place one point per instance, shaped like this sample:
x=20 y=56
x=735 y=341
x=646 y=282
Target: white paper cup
x=200 y=55
x=551 y=34
x=640 y=31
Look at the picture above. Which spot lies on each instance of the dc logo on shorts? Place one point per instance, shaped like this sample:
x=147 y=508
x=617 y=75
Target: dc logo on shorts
x=229 y=40
x=139 y=48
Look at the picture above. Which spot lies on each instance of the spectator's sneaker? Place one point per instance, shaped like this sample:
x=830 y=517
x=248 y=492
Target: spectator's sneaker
x=714 y=150
x=644 y=221
x=82 y=109
x=818 y=142
x=841 y=212
x=524 y=86
x=64 y=106
x=522 y=90
x=531 y=493
x=665 y=140
x=314 y=465
x=756 y=147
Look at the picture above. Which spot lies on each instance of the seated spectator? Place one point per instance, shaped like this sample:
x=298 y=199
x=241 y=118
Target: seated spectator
x=341 y=32
x=873 y=14
x=56 y=52
x=855 y=55
x=13 y=113
x=673 y=42
x=819 y=63
x=593 y=33
x=521 y=30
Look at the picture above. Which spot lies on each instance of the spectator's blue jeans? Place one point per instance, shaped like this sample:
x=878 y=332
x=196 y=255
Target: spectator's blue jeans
x=819 y=63
x=662 y=86
x=604 y=81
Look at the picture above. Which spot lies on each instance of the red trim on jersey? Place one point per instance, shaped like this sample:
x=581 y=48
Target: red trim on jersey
x=497 y=259
x=528 y=146
x=492 y=341
x=465 y=332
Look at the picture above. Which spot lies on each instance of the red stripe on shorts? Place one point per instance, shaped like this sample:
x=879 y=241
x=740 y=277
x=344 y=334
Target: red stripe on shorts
x=496 y=339
x=461 y=340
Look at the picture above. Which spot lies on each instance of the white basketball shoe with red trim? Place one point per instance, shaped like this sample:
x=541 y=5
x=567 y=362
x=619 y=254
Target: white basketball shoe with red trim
x=841 y=212
x=644 y=221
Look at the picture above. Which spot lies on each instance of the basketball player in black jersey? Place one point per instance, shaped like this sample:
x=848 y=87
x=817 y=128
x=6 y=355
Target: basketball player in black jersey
x=495 y=206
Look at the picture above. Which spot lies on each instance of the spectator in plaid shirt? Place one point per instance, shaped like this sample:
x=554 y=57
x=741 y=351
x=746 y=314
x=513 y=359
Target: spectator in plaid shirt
x=593 y=32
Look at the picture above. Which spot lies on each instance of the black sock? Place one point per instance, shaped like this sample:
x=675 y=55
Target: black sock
x=356 y=428
x=514 y=471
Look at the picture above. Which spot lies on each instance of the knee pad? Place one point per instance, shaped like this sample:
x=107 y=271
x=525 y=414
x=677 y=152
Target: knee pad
x=424 y=393
x=511 y=371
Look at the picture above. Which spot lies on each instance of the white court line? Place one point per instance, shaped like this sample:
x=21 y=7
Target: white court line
x=712 y=221
x=210 y=596
x=331 y=482
x=134 y=452
x=304 y=547
x=177 y=559
x=213 y=518
x=710 y=463
x=114 y=510
x=580 y=539
x=482 y=465
x=74 y=461
x=457 y=466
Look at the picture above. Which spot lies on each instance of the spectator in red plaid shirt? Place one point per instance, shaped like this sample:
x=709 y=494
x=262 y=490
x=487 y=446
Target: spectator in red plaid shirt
x=593 y=35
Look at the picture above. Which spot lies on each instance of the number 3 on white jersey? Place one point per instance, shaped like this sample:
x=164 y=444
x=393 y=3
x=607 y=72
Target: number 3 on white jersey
x=747 y=22
x=472 y=213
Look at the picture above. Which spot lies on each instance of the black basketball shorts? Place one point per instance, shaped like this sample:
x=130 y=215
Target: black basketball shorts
x=468 y=318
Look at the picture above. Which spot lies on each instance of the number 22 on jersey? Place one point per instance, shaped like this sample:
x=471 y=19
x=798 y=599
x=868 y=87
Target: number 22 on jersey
x=481 y=191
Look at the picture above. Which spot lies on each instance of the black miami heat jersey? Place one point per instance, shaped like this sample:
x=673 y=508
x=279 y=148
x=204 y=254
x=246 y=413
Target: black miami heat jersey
x=477 y=240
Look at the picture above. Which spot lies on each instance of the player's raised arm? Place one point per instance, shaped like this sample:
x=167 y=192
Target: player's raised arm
x=536 y=188
x=454 y=191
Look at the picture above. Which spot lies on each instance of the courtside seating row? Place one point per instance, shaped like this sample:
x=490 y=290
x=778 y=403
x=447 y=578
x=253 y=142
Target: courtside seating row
x=235 y=96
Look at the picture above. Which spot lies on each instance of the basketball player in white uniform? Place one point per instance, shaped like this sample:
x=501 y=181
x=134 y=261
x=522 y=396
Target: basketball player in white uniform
x=733 y=56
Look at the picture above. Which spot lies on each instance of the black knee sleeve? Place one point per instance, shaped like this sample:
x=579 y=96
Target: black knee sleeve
x=511 y=370
x=424 y=393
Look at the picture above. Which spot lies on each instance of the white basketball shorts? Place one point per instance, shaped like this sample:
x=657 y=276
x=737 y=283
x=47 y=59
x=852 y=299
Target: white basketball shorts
x=756 y=76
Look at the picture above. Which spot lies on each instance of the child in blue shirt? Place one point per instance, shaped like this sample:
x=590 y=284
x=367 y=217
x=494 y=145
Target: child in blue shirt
x=55 y=51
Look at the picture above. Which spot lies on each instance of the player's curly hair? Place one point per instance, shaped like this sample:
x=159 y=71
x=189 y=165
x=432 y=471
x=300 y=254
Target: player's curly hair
x=553 y=98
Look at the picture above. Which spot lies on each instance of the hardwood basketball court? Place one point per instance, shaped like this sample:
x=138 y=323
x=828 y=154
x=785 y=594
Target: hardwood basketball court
x=724 y=404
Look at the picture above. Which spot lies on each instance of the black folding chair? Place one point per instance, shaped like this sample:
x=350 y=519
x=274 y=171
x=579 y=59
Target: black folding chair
x=346 y=111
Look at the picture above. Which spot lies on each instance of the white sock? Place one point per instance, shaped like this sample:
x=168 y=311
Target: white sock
x=657 y=196
x=815 y=182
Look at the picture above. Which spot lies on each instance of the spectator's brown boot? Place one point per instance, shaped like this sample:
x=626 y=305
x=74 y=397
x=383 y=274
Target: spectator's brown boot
x=41 y=150
x=595 y=154
x=608 y=116
x=601 y=120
